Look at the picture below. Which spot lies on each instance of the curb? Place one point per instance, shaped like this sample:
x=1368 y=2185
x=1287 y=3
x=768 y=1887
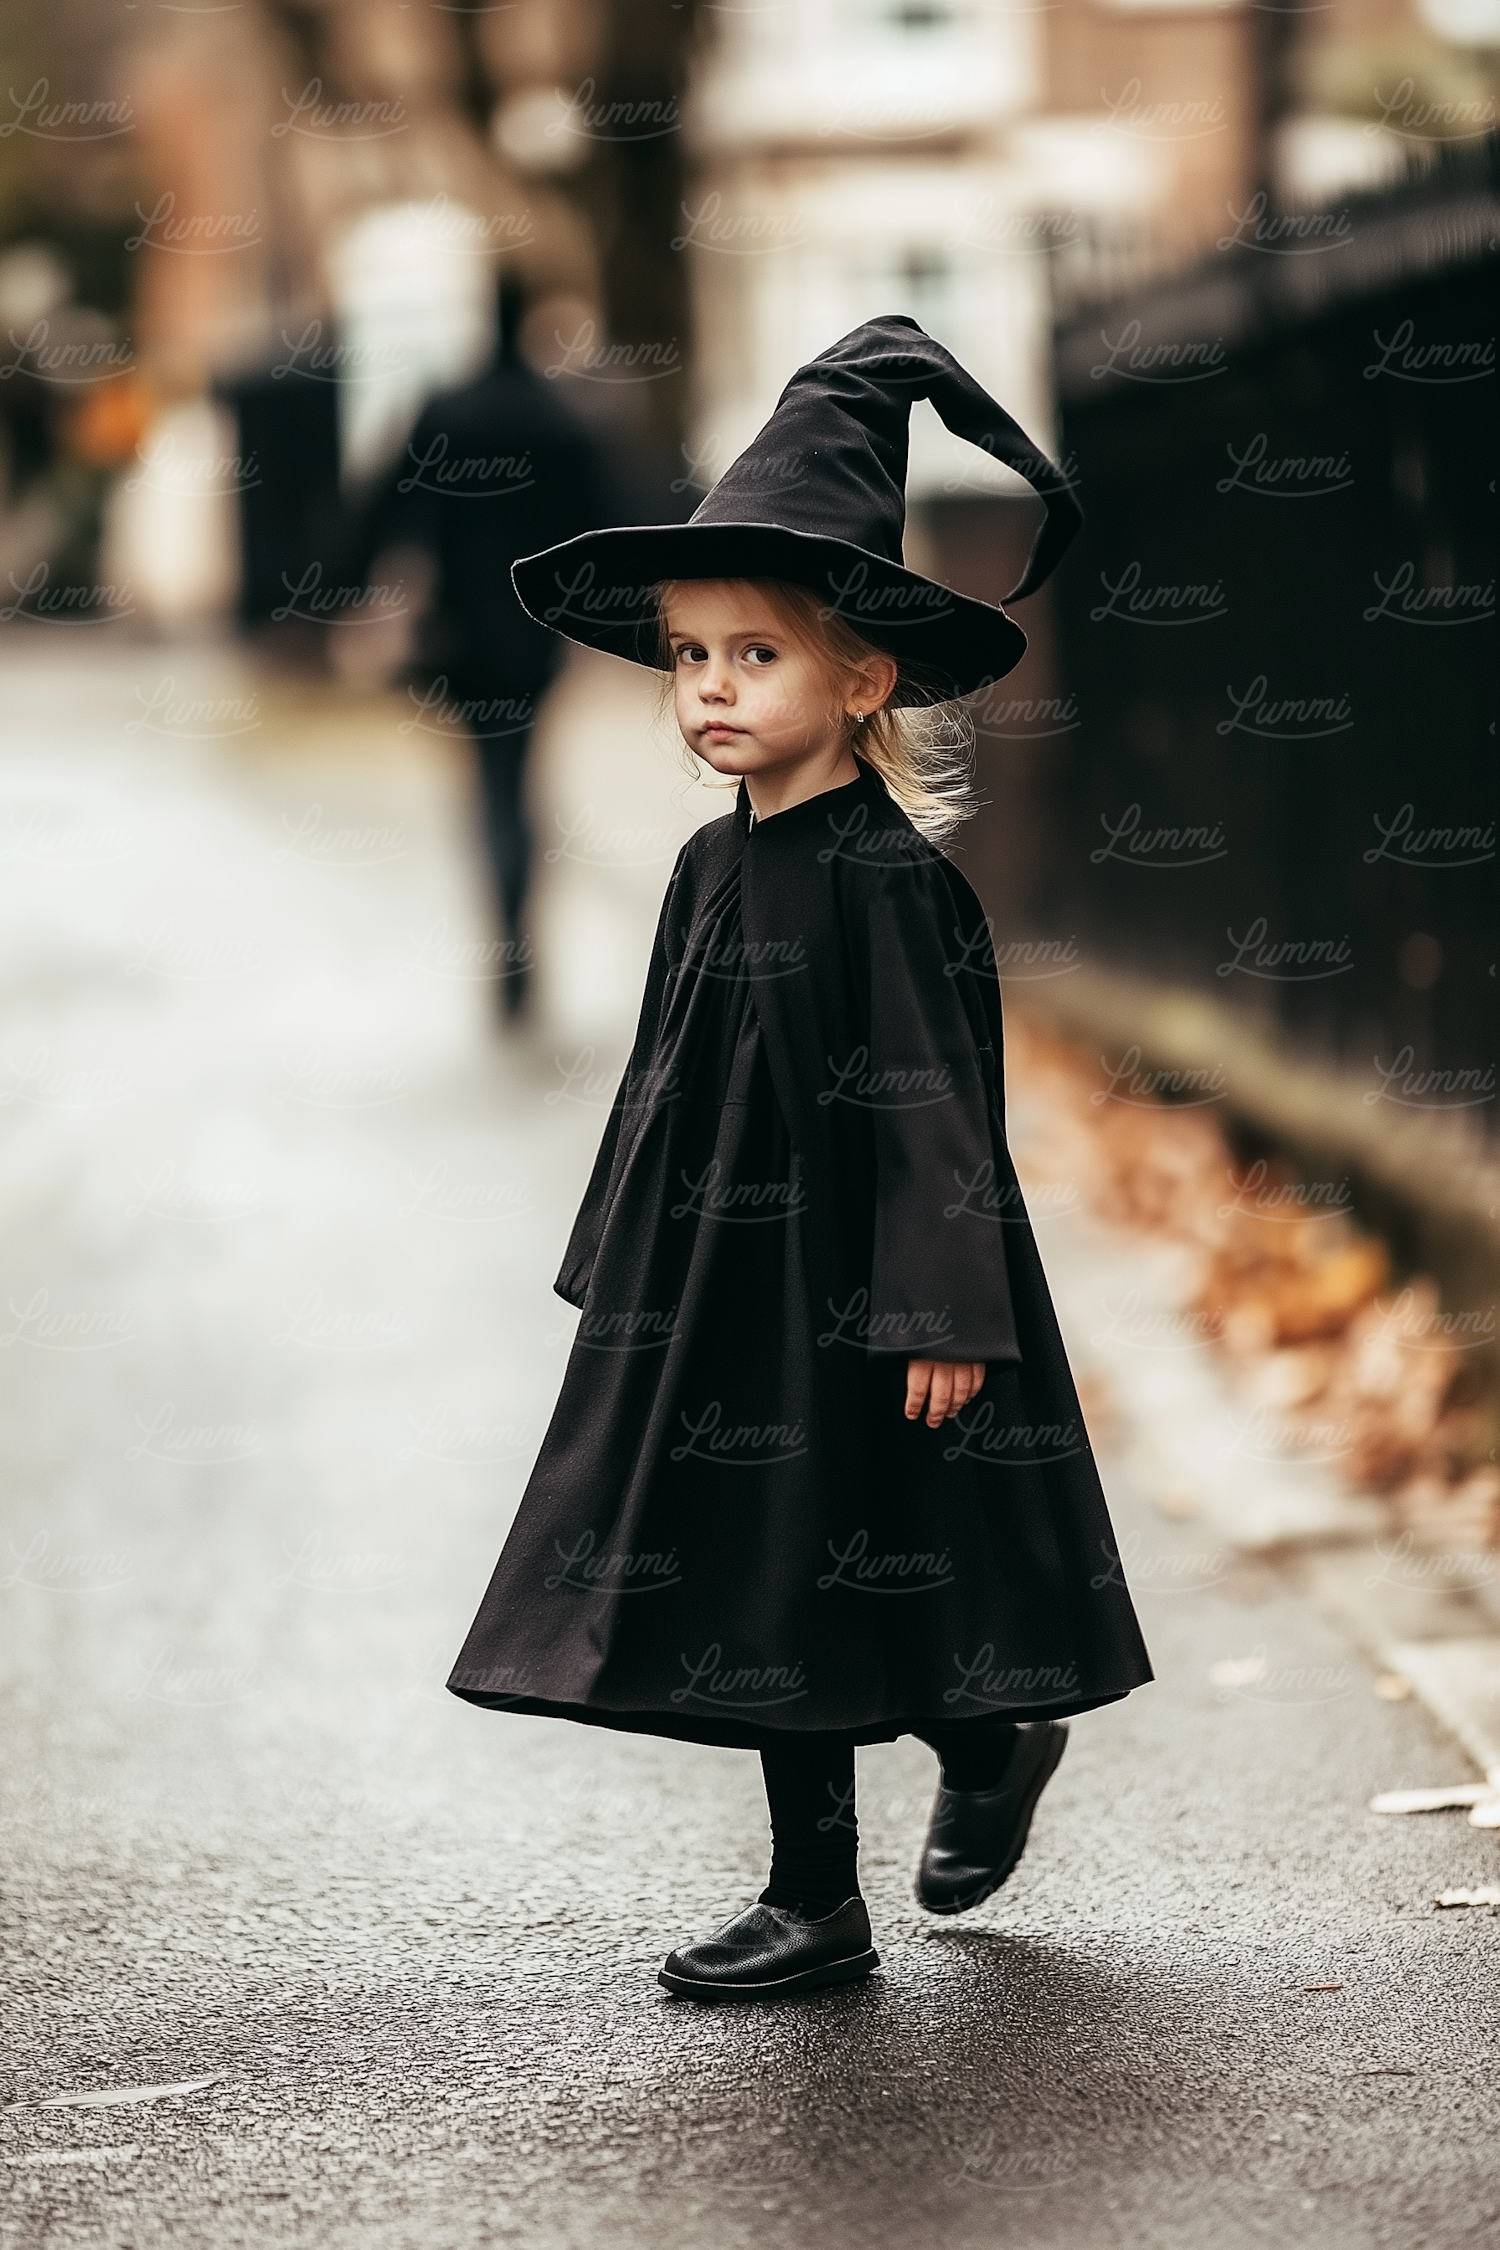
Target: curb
x=1428 y=1181
x=1441 y=1643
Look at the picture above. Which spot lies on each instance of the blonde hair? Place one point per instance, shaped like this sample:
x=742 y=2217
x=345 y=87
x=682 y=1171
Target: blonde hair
x=922 y=751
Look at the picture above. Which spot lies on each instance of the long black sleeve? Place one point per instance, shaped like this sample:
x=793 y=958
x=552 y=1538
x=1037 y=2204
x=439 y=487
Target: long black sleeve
x=938 y=1287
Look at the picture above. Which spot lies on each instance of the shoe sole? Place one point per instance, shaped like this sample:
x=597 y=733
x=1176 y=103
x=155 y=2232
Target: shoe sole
x=1002 y=1874
x=851 y=1971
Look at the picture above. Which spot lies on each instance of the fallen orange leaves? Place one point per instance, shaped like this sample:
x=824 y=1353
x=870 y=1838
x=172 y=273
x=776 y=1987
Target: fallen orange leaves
x=1376 y=1376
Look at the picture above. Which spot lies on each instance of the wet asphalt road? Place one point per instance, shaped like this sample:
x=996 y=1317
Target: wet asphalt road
x=280 y=1221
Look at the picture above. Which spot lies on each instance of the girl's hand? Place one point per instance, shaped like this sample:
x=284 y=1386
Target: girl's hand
x=945 y=1386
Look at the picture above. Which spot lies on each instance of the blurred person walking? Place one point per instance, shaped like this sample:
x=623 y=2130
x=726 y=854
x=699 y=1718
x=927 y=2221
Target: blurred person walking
x=817 y=1475
x=493 y=469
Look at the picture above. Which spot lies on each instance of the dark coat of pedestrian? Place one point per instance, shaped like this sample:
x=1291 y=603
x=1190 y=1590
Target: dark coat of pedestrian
x=493 y=470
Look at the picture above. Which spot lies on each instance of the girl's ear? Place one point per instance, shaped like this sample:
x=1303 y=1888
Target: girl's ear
x=877 y=681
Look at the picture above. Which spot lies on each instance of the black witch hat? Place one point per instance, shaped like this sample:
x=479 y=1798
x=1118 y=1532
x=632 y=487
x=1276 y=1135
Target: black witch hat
x=818 y=499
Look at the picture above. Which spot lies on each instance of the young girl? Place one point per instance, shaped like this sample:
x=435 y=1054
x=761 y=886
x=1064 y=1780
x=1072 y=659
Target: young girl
x=817 y=1474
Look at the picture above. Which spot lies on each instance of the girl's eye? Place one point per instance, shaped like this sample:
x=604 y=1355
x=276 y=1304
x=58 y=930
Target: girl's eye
x=690 y=652
x=759 y=655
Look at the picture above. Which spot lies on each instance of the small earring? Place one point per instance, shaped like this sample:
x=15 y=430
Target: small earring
x=859 y=718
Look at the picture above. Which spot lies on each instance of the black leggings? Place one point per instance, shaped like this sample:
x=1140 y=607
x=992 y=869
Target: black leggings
x=810 y=1791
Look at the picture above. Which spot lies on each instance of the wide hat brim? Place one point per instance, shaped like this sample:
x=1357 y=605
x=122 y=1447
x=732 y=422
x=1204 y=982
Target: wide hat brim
x=602 y=589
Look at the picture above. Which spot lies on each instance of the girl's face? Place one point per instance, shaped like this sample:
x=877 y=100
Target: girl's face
x=751 y=697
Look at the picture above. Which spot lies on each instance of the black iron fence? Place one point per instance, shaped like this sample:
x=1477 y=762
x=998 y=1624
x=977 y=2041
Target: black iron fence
x=1268 y=767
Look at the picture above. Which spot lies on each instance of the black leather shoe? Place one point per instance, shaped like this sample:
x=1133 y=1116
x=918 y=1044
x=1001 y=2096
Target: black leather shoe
x=976 y=1836
x=770 y=1951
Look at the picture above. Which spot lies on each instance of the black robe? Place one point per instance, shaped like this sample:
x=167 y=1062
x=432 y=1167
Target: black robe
x=731 y=1531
